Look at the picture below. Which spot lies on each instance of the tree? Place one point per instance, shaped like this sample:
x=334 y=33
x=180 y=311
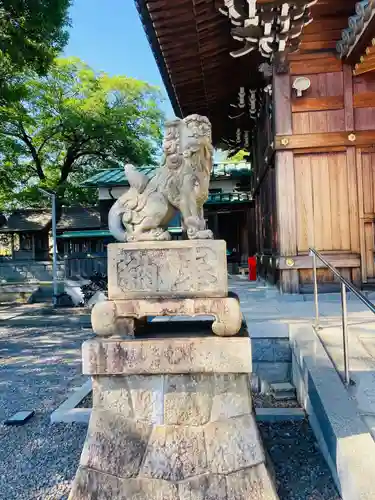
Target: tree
x=32 y=33
x=240 y=156
x=70 y=123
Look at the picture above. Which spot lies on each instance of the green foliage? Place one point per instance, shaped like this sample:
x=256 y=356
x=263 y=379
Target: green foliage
x=239 y=156
x=32 y=33
x=70 y=123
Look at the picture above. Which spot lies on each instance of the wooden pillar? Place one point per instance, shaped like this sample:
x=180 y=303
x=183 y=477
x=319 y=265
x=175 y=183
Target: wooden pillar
x=285 y=182
x=245 y=235
x=216 y=225
x=351 y=160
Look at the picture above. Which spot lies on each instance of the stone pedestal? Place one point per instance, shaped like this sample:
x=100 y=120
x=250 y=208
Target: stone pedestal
x=172 y=420
x=175 y=278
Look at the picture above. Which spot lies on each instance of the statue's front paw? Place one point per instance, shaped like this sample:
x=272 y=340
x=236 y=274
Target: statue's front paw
x=206 y=234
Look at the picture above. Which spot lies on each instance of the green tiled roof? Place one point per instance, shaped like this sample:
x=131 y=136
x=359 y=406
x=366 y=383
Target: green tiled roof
x=85 y=234
x=220 y=198
x=102 y=233
x=116 y=176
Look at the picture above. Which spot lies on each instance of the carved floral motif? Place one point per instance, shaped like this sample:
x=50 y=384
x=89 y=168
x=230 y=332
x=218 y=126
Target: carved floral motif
x=166 y=270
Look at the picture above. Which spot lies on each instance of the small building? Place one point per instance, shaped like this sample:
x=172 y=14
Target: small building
x=80 y=232
x=25 y=234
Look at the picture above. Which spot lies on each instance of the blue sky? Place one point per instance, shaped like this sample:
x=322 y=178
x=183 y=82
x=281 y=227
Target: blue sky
x=108 y=36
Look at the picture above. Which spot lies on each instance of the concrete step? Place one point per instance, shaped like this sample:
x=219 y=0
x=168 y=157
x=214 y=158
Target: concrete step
x=284 y=396
x=283 y=391
x=279 y=414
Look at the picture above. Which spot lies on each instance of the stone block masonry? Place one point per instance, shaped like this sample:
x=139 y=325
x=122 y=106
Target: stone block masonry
x=171 y=419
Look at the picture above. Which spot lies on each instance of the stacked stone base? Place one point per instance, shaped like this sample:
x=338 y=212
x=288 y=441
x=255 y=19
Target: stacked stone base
x=172 y=419
x=248 y=484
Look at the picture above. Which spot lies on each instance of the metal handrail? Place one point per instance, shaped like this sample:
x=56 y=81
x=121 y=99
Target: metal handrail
x=345 y=284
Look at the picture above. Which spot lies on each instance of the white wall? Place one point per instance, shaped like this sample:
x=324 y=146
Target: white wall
x=226 y=185
x=116 y=192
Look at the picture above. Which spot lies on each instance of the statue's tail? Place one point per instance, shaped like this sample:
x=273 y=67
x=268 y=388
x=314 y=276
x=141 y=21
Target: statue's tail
x=115 y=224
x=121 y=212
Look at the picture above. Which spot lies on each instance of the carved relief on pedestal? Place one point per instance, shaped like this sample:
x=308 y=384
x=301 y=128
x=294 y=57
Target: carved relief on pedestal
x=174 y=269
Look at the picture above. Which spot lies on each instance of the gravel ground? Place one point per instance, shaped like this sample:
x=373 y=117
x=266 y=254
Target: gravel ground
x=268 y=401
x=300 y=469
x=86 y=402
x=259 y=400
x=38 y=366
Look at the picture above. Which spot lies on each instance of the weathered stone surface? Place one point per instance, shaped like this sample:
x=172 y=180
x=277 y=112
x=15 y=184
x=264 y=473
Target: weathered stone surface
x=158 y=356
x=232 y=396
x=103 y=318
x=181 y=183
x=91 y=484
x=206 y=487
x=188 y=399
x=146 y=393
x=112 y=393
x=273 y=372
x=271 y=350
x=251 y=484
x=167 y=269
x=233 y=444
x=175 y=453
x=114 y=444
x=115 y=317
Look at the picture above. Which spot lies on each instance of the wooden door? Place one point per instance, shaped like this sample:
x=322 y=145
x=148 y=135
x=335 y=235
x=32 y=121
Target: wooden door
x=366 y=196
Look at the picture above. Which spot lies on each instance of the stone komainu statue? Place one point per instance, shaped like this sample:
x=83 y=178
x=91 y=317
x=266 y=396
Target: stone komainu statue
x=181 y=183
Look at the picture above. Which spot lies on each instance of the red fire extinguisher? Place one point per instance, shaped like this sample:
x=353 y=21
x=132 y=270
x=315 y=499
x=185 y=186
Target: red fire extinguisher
x=252 y=263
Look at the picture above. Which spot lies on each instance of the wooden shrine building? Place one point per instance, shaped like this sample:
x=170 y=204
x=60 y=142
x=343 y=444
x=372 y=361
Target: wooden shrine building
x=293 y=82
x=227 y=211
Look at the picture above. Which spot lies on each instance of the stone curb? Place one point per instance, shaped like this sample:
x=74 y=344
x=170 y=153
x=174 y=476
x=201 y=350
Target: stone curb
x=344 y=438
x=82 y=415
x=67 y=411
x=279 y=414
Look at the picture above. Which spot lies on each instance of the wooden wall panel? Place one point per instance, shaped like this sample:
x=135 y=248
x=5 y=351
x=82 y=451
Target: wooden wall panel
x=304 y=203
x=364 y=118
x=266 y=221
x=321 y=109
x=369 y=250
x=318 y=202
x=322 y=202
x=335 y=185
x=316 y=66
x=364 y=102
x=285 y=196
x=285 y=182
x=323 y=192
x=366 y=195
x=325 y=277
x=342 y=209
x=368 y=185
x=364 y=83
